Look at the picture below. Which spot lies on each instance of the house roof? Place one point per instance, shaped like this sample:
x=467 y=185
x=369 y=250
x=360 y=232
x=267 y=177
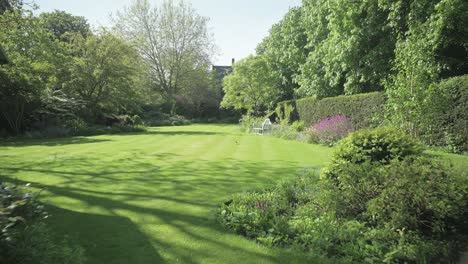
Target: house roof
x=222 y=70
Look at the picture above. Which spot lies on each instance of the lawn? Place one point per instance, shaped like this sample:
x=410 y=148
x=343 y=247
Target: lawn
x=151 y=198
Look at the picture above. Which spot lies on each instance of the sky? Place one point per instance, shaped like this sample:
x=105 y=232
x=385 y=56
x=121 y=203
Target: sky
x=237 y=25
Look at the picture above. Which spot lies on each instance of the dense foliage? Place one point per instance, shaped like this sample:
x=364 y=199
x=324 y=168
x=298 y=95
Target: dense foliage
x=249 y=87
x=445 y=114
x=380 y=200
x=106 y=75
x=24 y=237
x=284 y=51
x=351 y=46
x=60 y=70
x=328 y=48
x=54 y=76
x=433 y=47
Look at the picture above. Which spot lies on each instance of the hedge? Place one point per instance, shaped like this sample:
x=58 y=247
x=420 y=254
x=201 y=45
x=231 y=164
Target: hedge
x=444 y=120
x=360 y=108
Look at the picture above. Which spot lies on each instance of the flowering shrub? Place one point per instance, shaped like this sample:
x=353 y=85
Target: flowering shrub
x=329 y=130
x=380 y=200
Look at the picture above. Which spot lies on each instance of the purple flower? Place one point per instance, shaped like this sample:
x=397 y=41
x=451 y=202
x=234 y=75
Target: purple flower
x=330 y=130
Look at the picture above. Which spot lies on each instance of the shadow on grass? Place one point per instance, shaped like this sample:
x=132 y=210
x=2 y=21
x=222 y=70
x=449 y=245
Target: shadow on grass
x=174 y=133
x=50 y=142
x=180 y=195
x=106 y=239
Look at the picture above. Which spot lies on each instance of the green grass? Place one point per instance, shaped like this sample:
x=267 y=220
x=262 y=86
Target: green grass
x=152 y=197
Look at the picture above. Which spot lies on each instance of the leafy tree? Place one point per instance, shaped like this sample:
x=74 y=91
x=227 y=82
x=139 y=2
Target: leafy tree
x=351 y=48
x=106 y=75
x=202 y=97
x=430 y=49
x=35 y=59
x=250 y=87
x=173 y=40
x=285 y=51
x=64 y=25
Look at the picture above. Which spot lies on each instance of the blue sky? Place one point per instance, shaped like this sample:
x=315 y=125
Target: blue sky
x=238 y=25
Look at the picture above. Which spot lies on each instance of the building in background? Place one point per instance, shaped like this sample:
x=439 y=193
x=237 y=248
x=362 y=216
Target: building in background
x=222 y=71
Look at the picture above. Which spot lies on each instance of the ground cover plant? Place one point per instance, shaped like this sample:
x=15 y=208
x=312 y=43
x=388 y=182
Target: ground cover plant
x=24 y=236
x=381 y=199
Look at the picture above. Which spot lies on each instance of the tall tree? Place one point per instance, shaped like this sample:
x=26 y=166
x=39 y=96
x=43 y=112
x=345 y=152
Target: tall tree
x=64 y=25
x=285 y=51
x=351 y=44
x=173 y=40
x=106 y=75
x=434 y=46
x=33 y=72
x=250 y=86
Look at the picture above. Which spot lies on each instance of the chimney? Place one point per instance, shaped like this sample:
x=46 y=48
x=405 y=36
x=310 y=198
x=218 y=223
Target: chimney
x=233 y=61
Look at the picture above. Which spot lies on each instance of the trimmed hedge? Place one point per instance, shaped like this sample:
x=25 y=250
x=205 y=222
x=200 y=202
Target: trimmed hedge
x=444 y=120
x=360 y=108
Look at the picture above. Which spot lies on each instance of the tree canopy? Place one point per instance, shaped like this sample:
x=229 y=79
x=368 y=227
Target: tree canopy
x=173 y=40
x=249 y=87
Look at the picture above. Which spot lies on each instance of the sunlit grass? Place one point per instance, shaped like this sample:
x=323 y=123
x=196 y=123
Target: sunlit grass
x=151 y=198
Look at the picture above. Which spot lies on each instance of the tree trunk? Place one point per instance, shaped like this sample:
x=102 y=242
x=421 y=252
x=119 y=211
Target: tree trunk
x=173 y=107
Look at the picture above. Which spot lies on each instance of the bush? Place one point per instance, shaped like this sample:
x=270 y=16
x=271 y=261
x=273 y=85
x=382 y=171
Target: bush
x=445 y=114
x=76 y=125
x=378 y=145
x=298 y=126
x=167 y=120
x=55 y=132
x=24 y=238
x=49 y=132
x=137 y=121
x=381 y=200
x=284 y=112
x=329 y=130
x=247 y=122
x=360 y=108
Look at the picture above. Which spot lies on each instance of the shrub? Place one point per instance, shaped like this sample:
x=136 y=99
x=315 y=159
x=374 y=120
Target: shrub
x=329 y=130
x=298 y=126
x=378 y=145
x=284 y=113
x=137 y=121
x=166 y=120
x=444 y=121
x=126 y=120
x=287 y=132
x=76 y=125
x=380 y=200
x=247 y=122
x=24 y=238
x=360 y=108
x=49 y=132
